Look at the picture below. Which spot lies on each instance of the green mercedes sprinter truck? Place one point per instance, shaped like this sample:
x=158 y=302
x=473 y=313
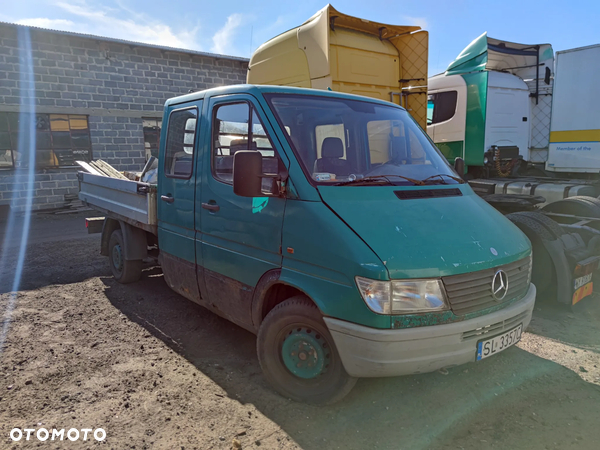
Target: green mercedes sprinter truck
x=330 y=226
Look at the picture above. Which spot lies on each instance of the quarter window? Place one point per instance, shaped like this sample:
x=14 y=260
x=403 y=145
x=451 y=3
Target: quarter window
x=181 y=137
x=236 y=127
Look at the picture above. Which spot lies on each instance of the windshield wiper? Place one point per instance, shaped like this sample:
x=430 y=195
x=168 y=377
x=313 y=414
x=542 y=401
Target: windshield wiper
x=441 y=177
x=379 y=178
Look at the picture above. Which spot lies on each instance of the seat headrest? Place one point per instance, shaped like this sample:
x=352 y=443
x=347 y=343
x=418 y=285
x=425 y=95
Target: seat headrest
x=332 y=147
x=398 y=149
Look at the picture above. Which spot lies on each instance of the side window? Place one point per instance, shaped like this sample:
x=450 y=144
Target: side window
x=236 y=127
x=441 y=106
x=181 y=136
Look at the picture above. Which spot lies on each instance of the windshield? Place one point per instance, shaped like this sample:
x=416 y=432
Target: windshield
x=339 y=140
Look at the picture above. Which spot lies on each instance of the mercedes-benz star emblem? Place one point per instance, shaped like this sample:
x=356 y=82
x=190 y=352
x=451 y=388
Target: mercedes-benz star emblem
x=500 y=285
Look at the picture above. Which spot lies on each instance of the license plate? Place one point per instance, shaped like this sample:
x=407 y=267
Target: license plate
x=496 y=344
x=584 y=287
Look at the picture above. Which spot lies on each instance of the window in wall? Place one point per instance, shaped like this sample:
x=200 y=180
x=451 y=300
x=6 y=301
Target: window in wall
x=152 y=129
x=441 y=106
x=60 y=139
x=181 y=137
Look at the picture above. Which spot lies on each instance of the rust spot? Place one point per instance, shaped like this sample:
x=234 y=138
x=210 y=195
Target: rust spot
x=290 y=250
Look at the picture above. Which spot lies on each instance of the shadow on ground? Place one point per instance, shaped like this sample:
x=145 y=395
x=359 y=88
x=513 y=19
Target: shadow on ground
x=515 y=399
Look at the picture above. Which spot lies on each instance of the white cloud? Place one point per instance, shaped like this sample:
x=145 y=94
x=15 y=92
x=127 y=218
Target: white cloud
x=43 y=22
x=110 y=22
x=222 y=39
x=418 y=21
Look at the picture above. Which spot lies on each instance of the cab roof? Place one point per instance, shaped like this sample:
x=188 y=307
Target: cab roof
x=258 y=90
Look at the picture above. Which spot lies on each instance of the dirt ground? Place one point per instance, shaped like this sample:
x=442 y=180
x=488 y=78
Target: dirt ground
x=157 y=371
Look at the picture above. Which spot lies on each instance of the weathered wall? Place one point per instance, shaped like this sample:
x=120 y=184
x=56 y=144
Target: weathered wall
x=116 y=84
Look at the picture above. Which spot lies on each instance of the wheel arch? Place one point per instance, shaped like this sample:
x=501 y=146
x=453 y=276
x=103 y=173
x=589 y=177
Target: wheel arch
x=270 y=292
x=135 y=239
x=553 y=245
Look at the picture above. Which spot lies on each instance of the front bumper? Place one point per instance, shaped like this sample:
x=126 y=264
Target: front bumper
x=370 y=352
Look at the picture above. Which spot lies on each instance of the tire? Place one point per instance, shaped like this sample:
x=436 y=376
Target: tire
x=554 y=228
x=286 y=332
x=124 y=270
x=543 y=273
x=577 y=206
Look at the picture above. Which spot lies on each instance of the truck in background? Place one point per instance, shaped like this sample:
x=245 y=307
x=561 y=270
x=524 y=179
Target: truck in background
x=512 y=110
x=575 y=124
x=335 y=51
x=528 y=129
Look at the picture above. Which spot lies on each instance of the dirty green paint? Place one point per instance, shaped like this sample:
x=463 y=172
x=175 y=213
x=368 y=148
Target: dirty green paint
x=326 y=257
x=451 y=150
x=433 y=237
x=475 y=121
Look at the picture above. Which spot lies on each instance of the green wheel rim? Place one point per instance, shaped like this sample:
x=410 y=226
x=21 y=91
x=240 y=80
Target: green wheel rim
x=117 y=257
x=305 y=353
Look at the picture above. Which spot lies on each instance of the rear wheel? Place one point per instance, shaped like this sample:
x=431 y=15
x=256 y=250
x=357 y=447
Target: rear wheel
x=124 y=270
x=543 y=274
x=298 y=356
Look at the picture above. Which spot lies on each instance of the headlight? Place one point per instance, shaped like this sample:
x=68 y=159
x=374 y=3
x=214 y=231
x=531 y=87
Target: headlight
x=402 y=297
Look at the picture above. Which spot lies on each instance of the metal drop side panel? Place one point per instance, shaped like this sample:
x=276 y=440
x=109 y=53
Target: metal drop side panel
x=127 y=199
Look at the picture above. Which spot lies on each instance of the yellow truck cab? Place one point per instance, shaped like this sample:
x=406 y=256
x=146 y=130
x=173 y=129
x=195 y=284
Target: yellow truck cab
x=338 y=52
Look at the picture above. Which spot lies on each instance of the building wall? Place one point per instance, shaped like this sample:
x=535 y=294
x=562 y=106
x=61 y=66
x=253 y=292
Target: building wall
x=115 y=84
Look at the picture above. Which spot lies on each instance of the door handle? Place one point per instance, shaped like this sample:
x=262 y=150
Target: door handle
x=211 y=206
x=167 y=198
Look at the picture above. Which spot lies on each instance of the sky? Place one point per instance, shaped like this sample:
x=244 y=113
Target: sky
x=235 y=27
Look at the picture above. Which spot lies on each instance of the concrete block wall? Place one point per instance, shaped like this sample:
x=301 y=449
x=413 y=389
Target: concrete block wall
x=114 y=83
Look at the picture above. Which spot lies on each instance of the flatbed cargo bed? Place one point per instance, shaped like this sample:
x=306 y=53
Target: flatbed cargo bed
x=133 y=202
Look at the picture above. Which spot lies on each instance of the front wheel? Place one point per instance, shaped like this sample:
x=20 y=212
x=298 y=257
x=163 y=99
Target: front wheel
x=298 y=356
x=124 y=270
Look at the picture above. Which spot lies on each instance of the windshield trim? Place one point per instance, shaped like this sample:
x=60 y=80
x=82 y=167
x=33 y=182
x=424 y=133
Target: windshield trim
x=268 y=96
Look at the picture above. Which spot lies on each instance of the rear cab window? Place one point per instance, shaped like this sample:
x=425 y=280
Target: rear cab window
x=181 y=138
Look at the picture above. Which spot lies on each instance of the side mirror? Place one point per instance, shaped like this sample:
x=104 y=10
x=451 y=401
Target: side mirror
x=247 y=173
x=547 y=75
x=459 y=166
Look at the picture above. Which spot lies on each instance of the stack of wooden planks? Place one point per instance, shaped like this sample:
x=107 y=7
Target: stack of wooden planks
x=102 y=168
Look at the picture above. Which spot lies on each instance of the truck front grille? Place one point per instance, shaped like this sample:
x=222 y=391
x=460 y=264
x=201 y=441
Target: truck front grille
x=472 y=292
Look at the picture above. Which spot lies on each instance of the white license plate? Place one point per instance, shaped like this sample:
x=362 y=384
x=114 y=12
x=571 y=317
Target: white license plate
x=496 y=344
x=582 y=281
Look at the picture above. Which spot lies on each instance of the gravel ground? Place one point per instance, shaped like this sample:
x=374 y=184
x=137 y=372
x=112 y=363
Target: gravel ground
x=157 y=371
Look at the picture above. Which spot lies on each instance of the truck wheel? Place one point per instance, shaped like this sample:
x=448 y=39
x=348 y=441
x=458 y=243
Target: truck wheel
x=577 y=206
x=543 y=273
x=298 y=356
x=553 y=227
x=124 y=270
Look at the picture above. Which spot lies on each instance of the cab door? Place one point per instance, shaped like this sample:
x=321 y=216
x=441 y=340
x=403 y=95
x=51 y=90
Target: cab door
x=241 y=236
x=177 y=195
